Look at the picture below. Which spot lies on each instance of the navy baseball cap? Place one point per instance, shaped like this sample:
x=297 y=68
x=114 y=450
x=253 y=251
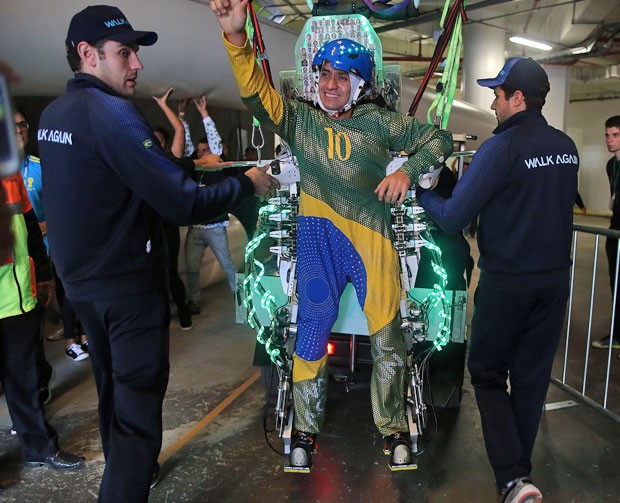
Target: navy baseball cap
x=523 y=74
x=98 y=22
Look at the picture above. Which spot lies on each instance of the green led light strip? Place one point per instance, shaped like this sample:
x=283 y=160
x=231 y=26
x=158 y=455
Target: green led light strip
x=252 y=284
x=438 y=294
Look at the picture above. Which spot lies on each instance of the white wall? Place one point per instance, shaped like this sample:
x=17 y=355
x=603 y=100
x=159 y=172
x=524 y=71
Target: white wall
x=589 y=118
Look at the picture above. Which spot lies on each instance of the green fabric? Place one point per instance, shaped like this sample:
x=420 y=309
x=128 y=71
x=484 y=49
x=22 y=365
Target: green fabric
x=342 y=161
x=389 y=354
x=309 y=398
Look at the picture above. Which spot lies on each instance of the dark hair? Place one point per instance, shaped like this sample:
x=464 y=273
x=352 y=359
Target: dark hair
x=613 y=121
x=74 y=60
x=164 y=132
x=204 y=140
x=533 y=101
x=20 y=110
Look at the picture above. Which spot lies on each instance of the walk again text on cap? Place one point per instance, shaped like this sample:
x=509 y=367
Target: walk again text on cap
x=105 y=22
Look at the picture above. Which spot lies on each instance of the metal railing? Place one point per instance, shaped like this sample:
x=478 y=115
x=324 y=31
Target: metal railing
x=590 y=375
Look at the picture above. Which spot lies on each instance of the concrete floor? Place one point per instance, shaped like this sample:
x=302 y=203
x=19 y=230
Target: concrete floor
x=215 y=445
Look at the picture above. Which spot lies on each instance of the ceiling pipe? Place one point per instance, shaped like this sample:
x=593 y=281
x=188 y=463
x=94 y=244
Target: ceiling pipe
x=435 y=15
x=419 y=59
x=598 y=45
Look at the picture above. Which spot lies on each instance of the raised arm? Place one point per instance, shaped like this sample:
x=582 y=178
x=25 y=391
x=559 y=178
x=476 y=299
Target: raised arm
x=231 y=15
x=213 y=136
x=182 y=109
x=177 y=146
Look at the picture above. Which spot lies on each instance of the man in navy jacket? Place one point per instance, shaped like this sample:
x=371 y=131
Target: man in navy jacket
x=523 y=183
x=106 y=184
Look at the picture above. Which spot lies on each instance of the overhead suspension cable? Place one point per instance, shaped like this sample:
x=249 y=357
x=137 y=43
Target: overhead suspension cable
x=457 y=12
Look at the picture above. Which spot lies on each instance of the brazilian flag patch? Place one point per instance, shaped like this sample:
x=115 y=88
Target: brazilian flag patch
x=148 y=143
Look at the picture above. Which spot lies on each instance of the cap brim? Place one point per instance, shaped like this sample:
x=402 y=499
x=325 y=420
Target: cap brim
x=134 y=37
x=492 y=83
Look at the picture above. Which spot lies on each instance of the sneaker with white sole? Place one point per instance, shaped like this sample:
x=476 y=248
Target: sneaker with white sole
x=521 y=490
x=76 y=353
x=603 y=343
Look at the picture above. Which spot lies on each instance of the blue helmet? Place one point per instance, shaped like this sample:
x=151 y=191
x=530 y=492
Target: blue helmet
x=348 y=56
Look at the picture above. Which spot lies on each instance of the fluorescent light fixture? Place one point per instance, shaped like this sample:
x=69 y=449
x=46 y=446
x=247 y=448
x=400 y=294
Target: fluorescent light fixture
x=530 y=43
x=582 y=50
x=278 y=18
x=579 y=50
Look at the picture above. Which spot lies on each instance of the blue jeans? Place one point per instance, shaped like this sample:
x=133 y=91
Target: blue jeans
x=196 y=243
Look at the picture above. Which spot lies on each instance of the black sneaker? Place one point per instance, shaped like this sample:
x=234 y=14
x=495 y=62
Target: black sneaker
x=193 y=307
x=76 y=353
x=303 y=447
x=84 y=346
x=185 y=318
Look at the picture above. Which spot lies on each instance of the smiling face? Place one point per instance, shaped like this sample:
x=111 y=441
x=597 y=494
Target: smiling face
x=334 y=87
x=118 y=65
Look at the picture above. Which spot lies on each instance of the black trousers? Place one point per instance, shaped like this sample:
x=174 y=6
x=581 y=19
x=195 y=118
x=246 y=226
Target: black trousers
x=175 y=283
x=71 y=325
x=611 y=247
x=19 y=339
x=515 y=333
x=128 y=347
x=44 y=369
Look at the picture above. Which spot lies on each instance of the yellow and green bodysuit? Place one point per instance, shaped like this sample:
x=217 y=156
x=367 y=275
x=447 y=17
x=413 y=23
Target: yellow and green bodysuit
x=344 y=233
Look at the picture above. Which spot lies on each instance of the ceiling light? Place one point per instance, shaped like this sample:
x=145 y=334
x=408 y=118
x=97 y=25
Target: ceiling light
x=582 y=50
x=530 y=43
x=579 y=50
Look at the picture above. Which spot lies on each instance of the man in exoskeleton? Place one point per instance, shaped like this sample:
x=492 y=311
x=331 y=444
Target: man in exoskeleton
x=342 y=144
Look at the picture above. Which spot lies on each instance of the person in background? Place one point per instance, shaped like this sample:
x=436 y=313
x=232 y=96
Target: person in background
x=108 y=184
x=580 y=204
x=210 y=233
x=176 y=147
x=250 y=154
x=31 y=174
x=23 y=286
x=525 y=257
x=612 y=141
